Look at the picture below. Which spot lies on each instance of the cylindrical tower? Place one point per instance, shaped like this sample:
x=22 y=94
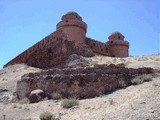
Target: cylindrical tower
x=118 y=46
x=74 y=27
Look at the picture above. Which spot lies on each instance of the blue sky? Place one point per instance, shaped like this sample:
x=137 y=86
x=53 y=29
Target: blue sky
x=25 y=22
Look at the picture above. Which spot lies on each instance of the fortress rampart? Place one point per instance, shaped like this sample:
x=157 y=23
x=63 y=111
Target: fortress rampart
x=70 y=28
x=98 y=47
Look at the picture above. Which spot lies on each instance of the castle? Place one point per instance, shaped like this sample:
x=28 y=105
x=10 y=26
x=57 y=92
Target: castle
x=72 y=29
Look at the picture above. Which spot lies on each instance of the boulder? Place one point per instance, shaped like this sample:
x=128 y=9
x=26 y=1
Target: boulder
x=36 y=95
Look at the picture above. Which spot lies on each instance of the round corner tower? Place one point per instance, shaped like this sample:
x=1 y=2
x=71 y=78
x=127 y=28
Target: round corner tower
x=118 y=46
x=75 y=29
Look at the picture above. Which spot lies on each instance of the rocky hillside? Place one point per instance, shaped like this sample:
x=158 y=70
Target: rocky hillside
x=132 y=103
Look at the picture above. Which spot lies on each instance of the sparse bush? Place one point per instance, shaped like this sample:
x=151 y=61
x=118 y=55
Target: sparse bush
x=154 y=75
x=122 y=84
x=68 y=103
x=56 y=96
x=137 y=81
x=47 y=116
x=110 y=100
x=140 y=79
x=147 y=78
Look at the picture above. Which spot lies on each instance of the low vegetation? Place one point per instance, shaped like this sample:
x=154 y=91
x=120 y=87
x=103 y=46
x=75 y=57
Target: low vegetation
x=68 y=103
x=47 y=116
x=140 y=79
x=110 y=100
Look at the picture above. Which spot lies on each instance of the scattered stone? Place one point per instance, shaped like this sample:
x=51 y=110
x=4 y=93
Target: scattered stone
x=87 y=107
x=60 y=114
x=3 y=90
x=5 y=97
x=74 y=107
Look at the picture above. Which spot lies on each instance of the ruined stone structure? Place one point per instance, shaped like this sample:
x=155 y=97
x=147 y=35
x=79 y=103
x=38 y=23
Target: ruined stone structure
x=70 y=38
x=83 y=82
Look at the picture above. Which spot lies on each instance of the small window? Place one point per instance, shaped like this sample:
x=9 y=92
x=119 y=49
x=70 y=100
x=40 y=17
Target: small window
x=101 y=49
x=66 y=21
x=119 y=37
x=113 y=55
x=106 y=50
x=94 y=44
x=111 y=41
x=91 y=46
x=86 y=41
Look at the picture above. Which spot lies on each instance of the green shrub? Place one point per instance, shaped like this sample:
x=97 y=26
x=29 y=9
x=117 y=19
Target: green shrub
x=140 y=79
x=68 y=103
x=47 y=116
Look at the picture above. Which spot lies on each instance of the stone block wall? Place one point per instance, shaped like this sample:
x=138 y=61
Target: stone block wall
x=50 y=52
x=39 y=52
x=81 y=82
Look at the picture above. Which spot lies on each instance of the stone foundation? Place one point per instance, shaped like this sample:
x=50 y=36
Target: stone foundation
x=84 y=82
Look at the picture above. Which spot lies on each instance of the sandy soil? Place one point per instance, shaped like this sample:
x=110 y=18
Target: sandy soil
x=130 y=62
x=138 y=102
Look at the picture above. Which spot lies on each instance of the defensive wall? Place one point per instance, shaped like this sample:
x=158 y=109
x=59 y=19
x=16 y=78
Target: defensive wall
x=73 y=29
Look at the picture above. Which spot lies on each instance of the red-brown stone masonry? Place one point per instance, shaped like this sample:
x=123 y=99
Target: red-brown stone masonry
x=41 y=45
x=38 y=49
x=98 y=47
x=119 y=51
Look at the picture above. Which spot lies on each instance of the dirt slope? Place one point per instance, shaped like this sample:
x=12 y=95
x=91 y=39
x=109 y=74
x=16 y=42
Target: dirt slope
x=135 y=102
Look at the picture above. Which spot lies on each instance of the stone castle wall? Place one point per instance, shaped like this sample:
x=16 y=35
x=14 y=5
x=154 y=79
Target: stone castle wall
x=39 y=50
x=98 y=47
x=73 y=29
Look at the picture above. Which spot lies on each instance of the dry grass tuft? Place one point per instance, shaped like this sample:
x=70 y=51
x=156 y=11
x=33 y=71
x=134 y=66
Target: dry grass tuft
x=140 y=79
x=47 y=116
x=68 y=103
